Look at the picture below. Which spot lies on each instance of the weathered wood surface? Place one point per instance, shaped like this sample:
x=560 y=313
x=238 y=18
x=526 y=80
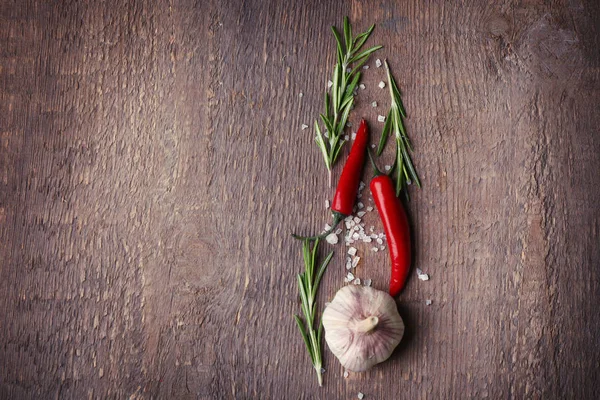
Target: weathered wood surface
x=152 y=166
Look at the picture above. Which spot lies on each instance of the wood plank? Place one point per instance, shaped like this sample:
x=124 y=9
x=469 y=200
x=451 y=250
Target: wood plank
x=152 y=166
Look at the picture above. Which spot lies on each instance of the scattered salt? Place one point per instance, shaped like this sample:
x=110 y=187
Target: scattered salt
x=374 y=104
x=379 y=241
x=422 y=276
x=362 y=86
x=372 y=146
x=360 y=395
x=300 y=94
x=388 y=167
x=329 y=84
x=356 y=220
x=352 y=251
x=428 y=302
x=382 y=84
x=346 y=138
x=369 y=208
x=367 y=239
x=346 y=374
x=331 y=238
x=353 y=135
x=367 y=282
x=361 y=214
x=338 y=231
x=355 y=236
x=378 y=63
x=304 y=126
x=357 y=281
x=375 y=249
x=380 y=118
x=327 y=205
x=366 y=67
x=350 y=276
x=360 y=205
x=355 y=262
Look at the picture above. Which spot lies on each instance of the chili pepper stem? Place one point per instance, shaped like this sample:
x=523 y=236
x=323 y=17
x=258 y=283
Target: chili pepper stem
x=377 y=171
x=337 y=218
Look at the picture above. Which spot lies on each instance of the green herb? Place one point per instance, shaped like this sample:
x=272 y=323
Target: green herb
x=308 y=284
x=403 y=166
x=339 y=103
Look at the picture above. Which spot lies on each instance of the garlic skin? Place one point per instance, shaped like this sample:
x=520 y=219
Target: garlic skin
x=362 y=327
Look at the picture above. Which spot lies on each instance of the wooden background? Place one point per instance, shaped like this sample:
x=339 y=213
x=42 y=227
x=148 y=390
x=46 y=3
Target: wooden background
x=152 y=167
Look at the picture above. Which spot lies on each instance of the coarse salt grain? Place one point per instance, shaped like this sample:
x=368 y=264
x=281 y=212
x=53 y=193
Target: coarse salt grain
x=353 y=135
x=369 y=208
x=304 y=126
x=300 y=94
x=378 y=63
x=346 y=138
x=357 y=281
x=350 y=276
x=388 y=167
x=380 y=118
x=355 y=236
x=374 y=104
x=346 y=374
x=360 y=395
x=338 y=231
x=367 y=282
x=375 y=249
x=327 y=205
x=361 y=213
x=329 y=84
x=422 y=276
x=360 y=205
x=379 y=241
x=366 y=67
x=428 y=302
x=331 y=238
x=382 y=84
x=372 y=146
x=357 y=220
x=352 y=251
x=355 y=262
x=367 y=239
x=362 y=86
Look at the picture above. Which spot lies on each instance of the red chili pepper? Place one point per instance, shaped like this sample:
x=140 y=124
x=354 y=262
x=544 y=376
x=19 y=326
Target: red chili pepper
x=347 y=188
x=395 y=225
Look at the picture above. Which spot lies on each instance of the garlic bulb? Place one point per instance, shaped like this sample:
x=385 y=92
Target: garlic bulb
x=362 y=327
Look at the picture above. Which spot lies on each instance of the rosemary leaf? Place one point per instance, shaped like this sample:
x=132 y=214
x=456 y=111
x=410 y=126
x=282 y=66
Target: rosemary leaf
x=308 y=284
x=340 y=99
x=403 y=166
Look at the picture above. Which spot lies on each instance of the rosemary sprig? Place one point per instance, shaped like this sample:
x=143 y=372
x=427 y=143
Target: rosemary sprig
x=403 y=166
x=308 y=284
x=339 y=103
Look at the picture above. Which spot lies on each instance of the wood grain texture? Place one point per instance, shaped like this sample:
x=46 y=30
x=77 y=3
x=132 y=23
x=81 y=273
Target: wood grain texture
x=152 y=167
